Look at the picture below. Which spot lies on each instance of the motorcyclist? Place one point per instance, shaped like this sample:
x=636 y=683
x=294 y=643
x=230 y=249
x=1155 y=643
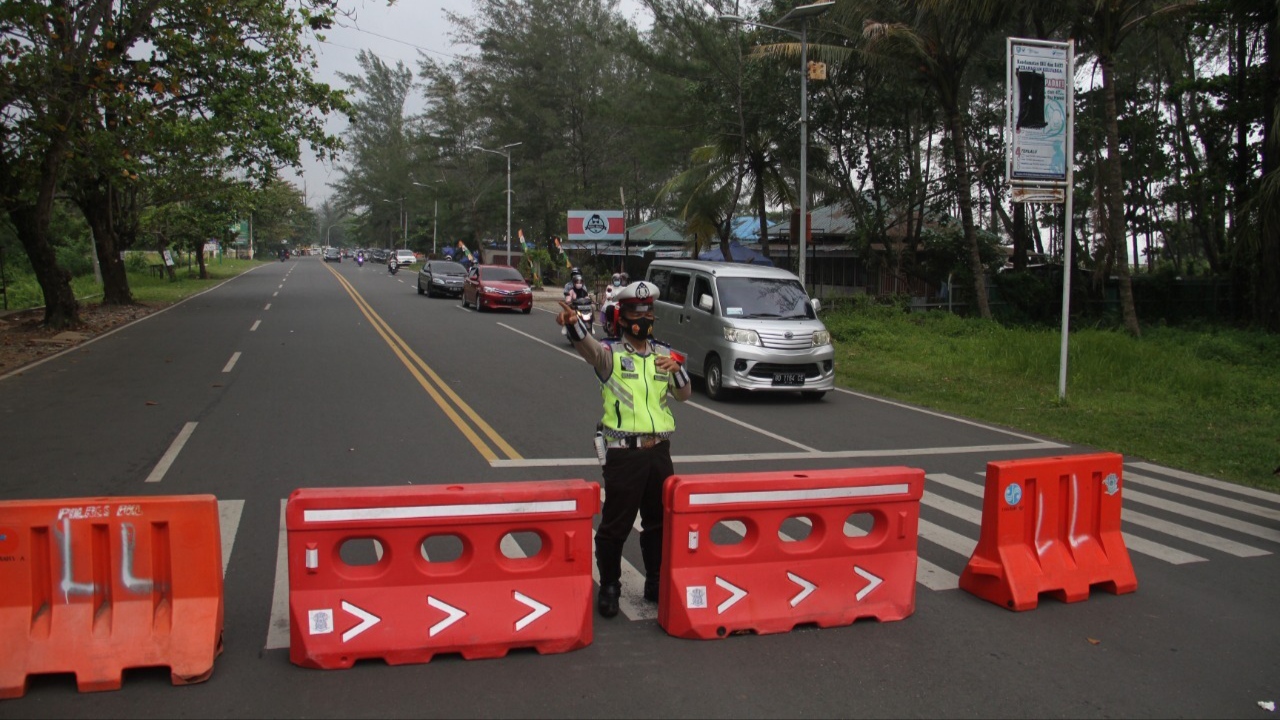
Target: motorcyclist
x=573 y=272
x=575 y=293
x=392 y=264
x=616 y=283
x=578 y=297
x=360 y=258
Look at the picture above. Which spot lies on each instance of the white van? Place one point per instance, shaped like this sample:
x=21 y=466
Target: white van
x=743 y=326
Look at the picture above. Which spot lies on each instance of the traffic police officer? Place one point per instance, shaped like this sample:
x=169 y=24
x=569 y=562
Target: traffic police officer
x=636 y=375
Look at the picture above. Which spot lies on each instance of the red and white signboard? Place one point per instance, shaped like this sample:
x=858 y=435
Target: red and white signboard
x=596 y=225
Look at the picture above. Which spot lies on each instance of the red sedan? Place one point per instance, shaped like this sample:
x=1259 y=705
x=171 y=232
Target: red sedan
x=497 y=286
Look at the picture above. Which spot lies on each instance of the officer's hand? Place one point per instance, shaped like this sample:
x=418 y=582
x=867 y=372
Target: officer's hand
x=567 y=316
x=666 y=363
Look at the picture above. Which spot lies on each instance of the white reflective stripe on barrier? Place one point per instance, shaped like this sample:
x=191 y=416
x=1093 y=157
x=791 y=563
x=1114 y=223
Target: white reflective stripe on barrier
x=786 y=495
x=411 y=513
x=435 y=511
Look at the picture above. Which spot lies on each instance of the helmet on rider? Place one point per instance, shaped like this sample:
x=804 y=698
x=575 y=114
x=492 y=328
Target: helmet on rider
x=616 y=280
x=576 y=279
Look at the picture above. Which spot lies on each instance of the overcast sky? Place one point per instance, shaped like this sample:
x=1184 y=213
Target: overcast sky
x=395 y=34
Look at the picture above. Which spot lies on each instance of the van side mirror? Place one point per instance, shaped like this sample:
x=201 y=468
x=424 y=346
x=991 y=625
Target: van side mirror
x=817 y=305
x=705 y=302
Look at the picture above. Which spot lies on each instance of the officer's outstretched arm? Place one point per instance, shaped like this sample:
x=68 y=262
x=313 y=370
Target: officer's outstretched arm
x=587 y=346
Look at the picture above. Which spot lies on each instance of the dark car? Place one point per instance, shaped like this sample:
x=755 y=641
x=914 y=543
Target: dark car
x=332 y=255
x=497 y=286
x=380 y=255
x=441 y=277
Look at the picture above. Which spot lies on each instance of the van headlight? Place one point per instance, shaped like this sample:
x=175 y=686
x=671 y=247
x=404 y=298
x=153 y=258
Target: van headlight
x=745 y=337
x=821 y=337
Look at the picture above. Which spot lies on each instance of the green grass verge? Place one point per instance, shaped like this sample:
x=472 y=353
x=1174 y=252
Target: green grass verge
x=1203 y=401
x=24 y=292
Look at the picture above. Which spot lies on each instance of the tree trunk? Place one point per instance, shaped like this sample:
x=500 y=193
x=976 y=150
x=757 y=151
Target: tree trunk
x=1019 y=236
x=965 y=199
x=97 y=206
x=32 y=225
x=1266 y=302
x=764 y=225
x=1114 y=229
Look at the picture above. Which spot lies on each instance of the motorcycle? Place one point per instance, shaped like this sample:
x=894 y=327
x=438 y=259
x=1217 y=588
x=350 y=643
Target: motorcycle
x=360 y=261
x=586 y=311
x=393 y=267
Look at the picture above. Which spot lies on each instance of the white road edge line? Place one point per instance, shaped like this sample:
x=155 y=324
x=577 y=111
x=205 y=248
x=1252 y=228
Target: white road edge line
x=816 y=455
x=945 y=417
x=112 y=331
x=229 y=512
x=689 y=403
x=278 y=625
x=232 y=362
x=171 y=454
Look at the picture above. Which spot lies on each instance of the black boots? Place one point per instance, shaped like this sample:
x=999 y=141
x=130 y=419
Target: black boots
x=607 y=601
x=651 y=589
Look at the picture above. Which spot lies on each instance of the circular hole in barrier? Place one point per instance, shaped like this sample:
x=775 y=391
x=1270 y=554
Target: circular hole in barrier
x=729 y=532
x=360 y=552
x=444 y=548
x=521 y=545
x=721 y=631
x=796 y=528
x=859 y=525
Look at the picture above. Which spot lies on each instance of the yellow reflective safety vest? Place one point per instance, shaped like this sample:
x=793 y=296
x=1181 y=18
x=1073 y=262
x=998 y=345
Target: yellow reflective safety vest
x=635 y=395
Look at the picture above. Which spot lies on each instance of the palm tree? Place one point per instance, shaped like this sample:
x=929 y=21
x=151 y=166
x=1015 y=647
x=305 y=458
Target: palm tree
x=1103 y=26
x=937 y=38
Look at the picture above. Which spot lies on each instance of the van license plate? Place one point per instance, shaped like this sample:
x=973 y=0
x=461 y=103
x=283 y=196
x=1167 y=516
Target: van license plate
x=788 y=378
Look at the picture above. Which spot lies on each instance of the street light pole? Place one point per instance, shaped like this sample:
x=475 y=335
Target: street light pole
x=801 y=13
x=435 y=210
x=507 y=155
x=403 y=218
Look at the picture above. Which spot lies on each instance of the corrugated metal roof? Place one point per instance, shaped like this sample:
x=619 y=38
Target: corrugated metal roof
x=660 y=230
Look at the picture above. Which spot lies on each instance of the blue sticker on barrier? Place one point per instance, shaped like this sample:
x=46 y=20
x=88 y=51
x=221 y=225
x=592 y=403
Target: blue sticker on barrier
x=1013 y=494
x=1112 y=483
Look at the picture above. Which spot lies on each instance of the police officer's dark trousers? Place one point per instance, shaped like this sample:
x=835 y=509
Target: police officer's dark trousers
x=633 y=479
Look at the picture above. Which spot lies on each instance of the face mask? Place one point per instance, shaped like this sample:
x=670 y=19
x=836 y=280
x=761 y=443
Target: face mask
x=577 y=286
x=641 y=327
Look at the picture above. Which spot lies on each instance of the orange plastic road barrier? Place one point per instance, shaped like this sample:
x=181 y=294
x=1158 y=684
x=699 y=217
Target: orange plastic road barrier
x=1050 y=525
x=406 y=606
x=92 y=586
x=768 y=584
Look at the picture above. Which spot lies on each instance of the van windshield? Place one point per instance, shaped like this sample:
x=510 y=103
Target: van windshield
x=763 y=298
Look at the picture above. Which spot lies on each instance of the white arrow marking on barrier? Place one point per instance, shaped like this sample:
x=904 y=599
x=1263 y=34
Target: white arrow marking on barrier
x=455 y=614
x=738 y=594
x=808 y=588
x=538 y=610
x=367 y=620
x=873 y=582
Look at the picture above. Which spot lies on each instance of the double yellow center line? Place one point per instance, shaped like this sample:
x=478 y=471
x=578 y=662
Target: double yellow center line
x=434 y=386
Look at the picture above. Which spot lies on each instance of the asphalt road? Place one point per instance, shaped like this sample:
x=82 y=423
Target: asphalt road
x=306 y=374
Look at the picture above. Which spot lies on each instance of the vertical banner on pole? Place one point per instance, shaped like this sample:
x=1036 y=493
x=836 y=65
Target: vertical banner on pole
x=1040 y=153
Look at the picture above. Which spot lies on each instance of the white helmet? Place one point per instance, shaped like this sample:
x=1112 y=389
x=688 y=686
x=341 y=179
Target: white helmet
x=638 y=296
